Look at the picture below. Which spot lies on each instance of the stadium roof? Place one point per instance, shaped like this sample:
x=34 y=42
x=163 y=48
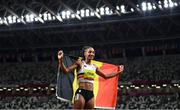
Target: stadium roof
x=52 y=23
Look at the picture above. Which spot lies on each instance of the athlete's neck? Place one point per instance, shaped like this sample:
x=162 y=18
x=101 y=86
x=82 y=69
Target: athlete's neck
x=87 y=61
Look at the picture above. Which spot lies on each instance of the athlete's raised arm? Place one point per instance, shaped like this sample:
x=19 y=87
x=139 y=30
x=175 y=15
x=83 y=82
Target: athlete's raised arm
x=63 y=67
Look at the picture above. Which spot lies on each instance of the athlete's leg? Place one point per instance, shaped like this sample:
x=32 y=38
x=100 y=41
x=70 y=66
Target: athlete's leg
x=79 y=102
x=90 y=104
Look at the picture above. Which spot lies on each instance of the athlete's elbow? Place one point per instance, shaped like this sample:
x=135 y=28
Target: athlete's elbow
x=105 y=77
x=65 y=71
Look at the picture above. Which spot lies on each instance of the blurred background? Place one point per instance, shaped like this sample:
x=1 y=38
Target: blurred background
x=143 y=35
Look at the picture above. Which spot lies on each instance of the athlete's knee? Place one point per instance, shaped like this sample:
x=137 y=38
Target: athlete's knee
x=78 y=105
x=90 y=104
x=79 y=102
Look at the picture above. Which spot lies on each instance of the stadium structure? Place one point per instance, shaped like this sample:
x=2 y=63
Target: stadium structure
x=144 y=35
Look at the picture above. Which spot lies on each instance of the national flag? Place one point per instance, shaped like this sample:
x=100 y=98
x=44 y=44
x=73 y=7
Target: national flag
x=105 y=90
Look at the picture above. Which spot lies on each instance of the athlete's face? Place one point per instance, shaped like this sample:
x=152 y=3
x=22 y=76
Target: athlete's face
x=89 y=53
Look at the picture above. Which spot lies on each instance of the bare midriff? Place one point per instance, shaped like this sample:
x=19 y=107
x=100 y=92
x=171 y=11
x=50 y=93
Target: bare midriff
x=86 y=86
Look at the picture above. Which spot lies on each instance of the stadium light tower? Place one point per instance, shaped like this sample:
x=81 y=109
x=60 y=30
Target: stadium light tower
x=92 y=13
x=14 y=19
x=160 y=4
x=31 y=16
x=171 y=4
x=132 y=10
x=97 y=13
x=175 y=4
x=102 y=11
x=27 y=18
x=144 y=7
x=149 y=6
x=73 y=15
x=68 y=14
x=123 y=9
x=154 y=6
x=82 y=13
x=107 y=10
x=87 y=12
x=9 y=18
x=45 y=16
x=1 y=21
x=63 y=14
x=59 y=17
x=5 y=21
x=166 y=3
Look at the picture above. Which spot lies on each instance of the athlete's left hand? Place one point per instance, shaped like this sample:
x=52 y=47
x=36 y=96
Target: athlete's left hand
x=120 y=68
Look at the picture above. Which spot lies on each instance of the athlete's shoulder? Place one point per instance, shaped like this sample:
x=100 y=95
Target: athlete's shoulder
x=95 y=66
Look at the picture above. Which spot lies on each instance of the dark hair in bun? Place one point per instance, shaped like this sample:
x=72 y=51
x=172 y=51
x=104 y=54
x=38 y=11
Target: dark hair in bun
x=83 y=50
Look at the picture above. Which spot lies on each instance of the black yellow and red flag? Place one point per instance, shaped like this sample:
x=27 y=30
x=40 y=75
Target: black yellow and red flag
x=105 y=90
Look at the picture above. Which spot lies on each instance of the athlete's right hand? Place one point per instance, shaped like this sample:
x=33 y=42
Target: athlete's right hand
x=60 y=55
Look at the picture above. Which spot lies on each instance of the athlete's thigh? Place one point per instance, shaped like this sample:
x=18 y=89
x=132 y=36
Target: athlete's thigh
x=90 y=104
x=79 y=102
